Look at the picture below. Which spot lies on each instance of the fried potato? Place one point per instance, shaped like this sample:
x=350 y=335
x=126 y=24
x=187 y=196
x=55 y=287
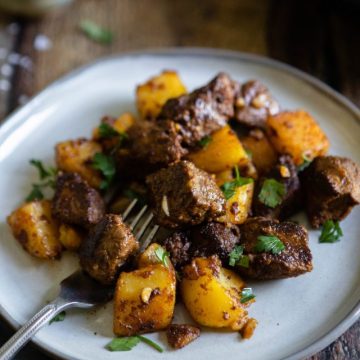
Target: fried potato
x=152 y=95
x=37 y=231
x=70 y=237
x=145 y=298
x=297 y=133
x=211 y=294
x=223 y=152
x=76 y=156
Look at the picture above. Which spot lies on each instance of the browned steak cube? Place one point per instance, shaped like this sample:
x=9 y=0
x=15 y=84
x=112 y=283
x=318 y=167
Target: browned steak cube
x=106 y=249
x=332 y=188
x=184 y=195
x=254 y=103
x=285 y=173
x=294 y=260
x=203 y=111
x=178 y=245
x=75 y=202
x=180 y=335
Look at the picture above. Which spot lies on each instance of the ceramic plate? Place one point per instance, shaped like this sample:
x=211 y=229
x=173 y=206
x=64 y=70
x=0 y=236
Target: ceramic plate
x=297 y=317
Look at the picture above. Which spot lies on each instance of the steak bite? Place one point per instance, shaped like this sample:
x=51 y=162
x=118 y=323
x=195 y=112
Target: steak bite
x=285 y=173
x=106 y=249
x=294 y=260
x=184 y=195
x=203 y=240
x=180 y=335
x=254 y=103
x=203 y=111
x=75 y=202
x=332 y=186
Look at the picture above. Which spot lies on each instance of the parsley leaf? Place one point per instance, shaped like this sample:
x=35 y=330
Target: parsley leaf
x=43 y=172
x=35 y=194
x=58 y=317
x=123 y=343
x=106 y=165
x=96 y=32
x=331 y=232
x=246 y=295
x=272 y=192
x=151 y=343
x=107 y=131
x=162 y=255
x=230 y=187
x=205 y=141
x=306 y=162
x=236 y=257
x=270 y=243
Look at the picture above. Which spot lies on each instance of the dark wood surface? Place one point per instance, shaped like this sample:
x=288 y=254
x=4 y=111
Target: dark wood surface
x=320 y=37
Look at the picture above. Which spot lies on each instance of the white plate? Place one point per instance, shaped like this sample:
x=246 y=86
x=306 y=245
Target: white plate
x=297 y=317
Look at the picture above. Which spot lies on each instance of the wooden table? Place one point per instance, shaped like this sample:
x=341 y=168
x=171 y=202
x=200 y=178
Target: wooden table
x=320 y=37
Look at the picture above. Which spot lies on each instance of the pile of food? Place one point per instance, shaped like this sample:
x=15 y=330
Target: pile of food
x=223 y=168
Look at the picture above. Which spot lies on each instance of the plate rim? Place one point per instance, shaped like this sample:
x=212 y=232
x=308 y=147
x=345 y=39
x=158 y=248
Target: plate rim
x=11 y=121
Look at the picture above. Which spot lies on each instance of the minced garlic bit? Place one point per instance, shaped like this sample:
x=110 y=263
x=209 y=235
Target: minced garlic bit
x=145 y=295
x=284 y=171
x=260 y=101
x=165 y=205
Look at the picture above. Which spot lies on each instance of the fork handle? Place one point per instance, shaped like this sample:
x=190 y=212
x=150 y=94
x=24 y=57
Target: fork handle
x=28 y=330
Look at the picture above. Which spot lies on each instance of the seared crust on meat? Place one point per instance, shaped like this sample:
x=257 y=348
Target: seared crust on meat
x=184 y=195
x=332 y=188
x=107 y=247
x=180 y=335
x=294 y=260
x=203 y=111
x=75 y=202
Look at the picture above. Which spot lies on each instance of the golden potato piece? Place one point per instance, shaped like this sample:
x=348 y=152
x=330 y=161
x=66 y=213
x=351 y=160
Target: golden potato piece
x=70 y=237
x=36 y=230
x=296 y=133
x=223 y=152
x=145 y=298
x=152 y=95
x=248 y=330
x=76 y=156
x=211 y=294
x=120 y=124
x=263 y=154
x=239 y=205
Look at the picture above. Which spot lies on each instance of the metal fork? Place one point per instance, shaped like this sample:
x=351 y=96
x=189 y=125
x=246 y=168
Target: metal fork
x=77 y=290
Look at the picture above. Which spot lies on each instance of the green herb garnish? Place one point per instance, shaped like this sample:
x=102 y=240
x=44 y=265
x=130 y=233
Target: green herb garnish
x=230 y=187
x=236 y=257
x=272 y=192
x=331 y=232
x=306 y=162
x=35 y=194
x=128 y=343
x=96 y=32
x=246 y=295
x=58 y=317
x=106 y=165
x=269 y=243
x=162 y=255
x=43 y=171
x=249 y=153
x=205 y=141
x=107 y=131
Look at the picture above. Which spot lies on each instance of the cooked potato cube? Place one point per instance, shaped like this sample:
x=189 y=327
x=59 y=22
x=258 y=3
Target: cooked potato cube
x=239 y=205
x=223 y=152
x=145 y=298
x=70 y=237
x=225 y=176
x=211 y=294
x=296 y=133
x=152 y=95
x=35 y=228
x=76 y=156
x=263 y=155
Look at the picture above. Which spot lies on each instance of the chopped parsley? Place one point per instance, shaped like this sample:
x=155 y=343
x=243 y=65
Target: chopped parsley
x=162 y=255
x=272 y=192
x=306 y=162
x=128 y=343
x=230 y=187
x=107 y=131
x=43 y=171
x=246 y=295
x=269 y=243
x=96 y=32
x=205 y=141
x=237 y=257
x=58 y=317
x=331 y=232
x=106 y=165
